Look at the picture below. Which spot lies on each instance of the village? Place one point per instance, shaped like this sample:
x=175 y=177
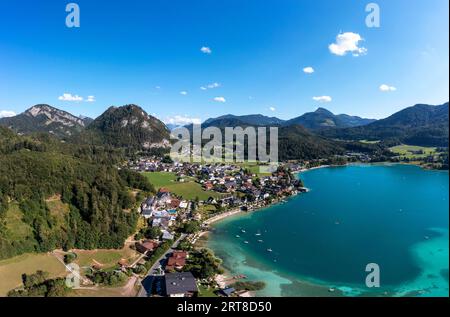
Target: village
x=176 y=223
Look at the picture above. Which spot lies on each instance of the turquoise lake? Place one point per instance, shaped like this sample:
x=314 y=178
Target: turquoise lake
x=396 y=216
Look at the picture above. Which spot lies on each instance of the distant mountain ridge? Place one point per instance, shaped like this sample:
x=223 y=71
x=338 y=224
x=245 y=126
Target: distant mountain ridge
x=45 y=118
x=325 y=119
x=422 y=124
x=252 y=119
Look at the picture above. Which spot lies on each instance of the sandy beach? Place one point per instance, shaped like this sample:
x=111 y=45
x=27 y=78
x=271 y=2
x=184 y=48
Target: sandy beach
x=222 y=216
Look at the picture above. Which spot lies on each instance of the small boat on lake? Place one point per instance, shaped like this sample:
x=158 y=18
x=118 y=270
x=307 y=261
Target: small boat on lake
x=246 y=242
x=260 y=241
x=243 y=231
x=269 y=250
x=238 y=236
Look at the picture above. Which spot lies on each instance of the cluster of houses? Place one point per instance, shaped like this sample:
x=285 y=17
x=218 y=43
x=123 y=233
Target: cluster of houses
x=253 y=188
x=162 y=210
x=238 y=186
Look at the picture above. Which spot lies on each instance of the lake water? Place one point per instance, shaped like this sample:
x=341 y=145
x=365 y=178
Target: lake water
x=396 y=216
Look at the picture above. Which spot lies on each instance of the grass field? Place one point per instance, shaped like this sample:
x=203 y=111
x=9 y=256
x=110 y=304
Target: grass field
x=254 y=168
x=206 y=210
x=16 y=229
x=188 y=190
x=410 y=151
x=205 y=291
x=108 y=258
x=161 y=179
x=11 y=270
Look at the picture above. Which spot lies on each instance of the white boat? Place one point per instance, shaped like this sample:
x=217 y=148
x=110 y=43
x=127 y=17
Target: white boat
x=246 y=242
x=238 y=236
x=257 y=234
x=260 y=241
x=243 y=231
x=269 y=250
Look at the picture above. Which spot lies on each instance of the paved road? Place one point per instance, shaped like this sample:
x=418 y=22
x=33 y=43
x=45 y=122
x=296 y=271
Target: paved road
x=148 y=278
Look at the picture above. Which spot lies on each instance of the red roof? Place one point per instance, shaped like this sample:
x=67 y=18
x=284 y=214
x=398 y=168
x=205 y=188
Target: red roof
x=176 y=262
x=164 y=190
x=149 y=244
x=175 y=203
x=177 y=259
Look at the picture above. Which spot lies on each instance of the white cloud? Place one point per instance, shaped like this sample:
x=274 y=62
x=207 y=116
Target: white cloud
x=272 y=109
x=308 y=70
x=386 y=88
x=322 y=99
x=70 y=97
x=213 y=85
x=7 y=113
x=220 y=99
x=184 y=93
x=90 y=99
x=210 y=86
x=206 y=50
x=158 y=87
x=347 y=42
x=182 y=120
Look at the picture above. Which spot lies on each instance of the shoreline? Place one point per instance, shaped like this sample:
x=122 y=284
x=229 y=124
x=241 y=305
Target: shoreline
x=304 y=283
x=235 y=212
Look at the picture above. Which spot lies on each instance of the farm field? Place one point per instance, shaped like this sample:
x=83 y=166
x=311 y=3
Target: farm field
x=11 y=270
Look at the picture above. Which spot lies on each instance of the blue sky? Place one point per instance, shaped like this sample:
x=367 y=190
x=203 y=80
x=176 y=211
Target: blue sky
x=149 y=52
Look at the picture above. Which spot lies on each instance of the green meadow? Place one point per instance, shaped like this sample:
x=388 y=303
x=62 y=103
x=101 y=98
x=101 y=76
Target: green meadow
x=412 y=151
x=187 y=189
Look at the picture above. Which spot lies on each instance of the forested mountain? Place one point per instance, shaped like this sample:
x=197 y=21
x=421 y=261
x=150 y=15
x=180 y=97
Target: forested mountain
x=421 y=124
x=296 y=142
x=324 y=119
x=57 y=195
x=44 y=118
x=127 y=127
x=253 y=119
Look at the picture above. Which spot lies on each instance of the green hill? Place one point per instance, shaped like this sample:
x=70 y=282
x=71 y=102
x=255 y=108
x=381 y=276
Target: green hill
x=33 y=169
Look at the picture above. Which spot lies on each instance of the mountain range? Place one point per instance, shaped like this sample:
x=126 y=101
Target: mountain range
x=424 y=125
x=131 y=127
x=314 y=121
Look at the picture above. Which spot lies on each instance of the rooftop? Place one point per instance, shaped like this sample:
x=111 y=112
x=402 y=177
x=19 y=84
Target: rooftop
x=180 y=283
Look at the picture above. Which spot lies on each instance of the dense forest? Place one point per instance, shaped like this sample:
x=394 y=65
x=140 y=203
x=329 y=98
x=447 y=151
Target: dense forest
x=94 y=196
